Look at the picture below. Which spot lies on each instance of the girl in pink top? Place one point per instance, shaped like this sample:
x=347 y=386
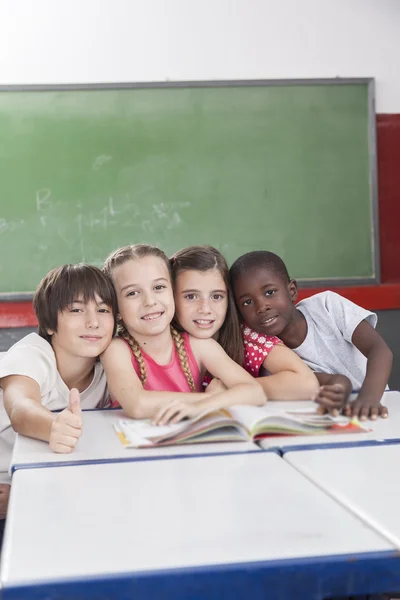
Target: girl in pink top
x=170 y=377
x=165 y=381
x=205 y=308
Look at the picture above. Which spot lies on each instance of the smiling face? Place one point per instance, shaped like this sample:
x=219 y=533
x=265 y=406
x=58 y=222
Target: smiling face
x=201 y=300
x=144 y=293
x=84 y=329
x=265 y=300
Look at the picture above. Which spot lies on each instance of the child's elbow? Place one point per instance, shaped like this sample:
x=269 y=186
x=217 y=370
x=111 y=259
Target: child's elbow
x=259 y=394
x=389 y=357
x=311 y=385
x=17 y=419
x=135 y=409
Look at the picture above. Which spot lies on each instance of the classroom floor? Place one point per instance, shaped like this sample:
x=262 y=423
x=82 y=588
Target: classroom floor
x=388 y=327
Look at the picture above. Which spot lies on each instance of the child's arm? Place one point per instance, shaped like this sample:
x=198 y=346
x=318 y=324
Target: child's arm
x=126 y=388
x=290 y=379
x=333 y=393
x=29 y=417
x=379 y=365
x=241 y=388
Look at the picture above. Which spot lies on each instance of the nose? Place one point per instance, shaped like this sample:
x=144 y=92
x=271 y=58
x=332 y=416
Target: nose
x=262 y=305
x=92 y=319
x=149 y=299
x=204 y=307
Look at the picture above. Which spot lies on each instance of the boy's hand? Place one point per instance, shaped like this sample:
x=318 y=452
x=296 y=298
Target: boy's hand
x=364 y=409
x=331 y=398
x=67 y=426
x=4 y=496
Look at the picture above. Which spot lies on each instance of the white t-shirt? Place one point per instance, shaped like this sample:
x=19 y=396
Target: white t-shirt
x=34 y=357
x=331 y=321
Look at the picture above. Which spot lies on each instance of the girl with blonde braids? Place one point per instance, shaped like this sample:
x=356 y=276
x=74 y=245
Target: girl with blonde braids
x=165 y=383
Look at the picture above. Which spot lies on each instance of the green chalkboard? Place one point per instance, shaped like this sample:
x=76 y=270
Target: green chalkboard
x=285 y=166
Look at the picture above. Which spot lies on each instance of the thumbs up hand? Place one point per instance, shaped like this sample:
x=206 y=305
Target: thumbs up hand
x=66 y=428
x=75 y=403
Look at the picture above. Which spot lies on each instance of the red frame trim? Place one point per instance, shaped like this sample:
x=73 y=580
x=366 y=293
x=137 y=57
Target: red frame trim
x=388 y=151
x=17 y=314
x=372 y=297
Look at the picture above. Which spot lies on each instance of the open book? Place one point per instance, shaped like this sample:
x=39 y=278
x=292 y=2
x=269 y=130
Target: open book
x=239 y=423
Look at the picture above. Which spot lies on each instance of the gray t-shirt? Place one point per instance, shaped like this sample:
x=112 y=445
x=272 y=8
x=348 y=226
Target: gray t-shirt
x=331 y=321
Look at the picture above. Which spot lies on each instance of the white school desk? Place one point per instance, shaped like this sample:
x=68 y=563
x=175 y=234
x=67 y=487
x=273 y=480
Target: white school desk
x=382 y=431
x=215 y=527
x=364 y=480
x=99 y=443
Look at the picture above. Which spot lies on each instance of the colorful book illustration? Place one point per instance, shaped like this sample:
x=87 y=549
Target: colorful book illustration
x=239 y=423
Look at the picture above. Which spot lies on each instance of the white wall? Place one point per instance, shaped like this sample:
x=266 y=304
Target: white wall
x=50 y=41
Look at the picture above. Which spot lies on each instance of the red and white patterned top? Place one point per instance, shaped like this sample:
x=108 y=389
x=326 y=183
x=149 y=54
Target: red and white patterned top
x=257 y=346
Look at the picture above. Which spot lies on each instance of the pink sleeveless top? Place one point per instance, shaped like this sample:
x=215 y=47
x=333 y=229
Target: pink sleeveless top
x=169 y=378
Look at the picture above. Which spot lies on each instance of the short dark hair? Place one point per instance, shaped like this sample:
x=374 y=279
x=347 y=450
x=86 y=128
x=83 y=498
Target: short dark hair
x=205 y=258
x=62 y=285
x=259 y=259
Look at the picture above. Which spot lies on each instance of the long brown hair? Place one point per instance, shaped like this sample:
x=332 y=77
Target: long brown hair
x=206 y=258
x=135 y=252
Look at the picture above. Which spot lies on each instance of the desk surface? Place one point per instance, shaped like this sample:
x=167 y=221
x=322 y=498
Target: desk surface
x=100 y=443
x=214 y=524
x=365 y=480
x=381 y=430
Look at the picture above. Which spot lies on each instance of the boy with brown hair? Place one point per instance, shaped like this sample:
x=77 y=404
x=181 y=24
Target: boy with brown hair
x=57 y=368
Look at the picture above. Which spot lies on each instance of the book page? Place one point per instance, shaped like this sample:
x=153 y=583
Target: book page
x=143 y=432
x=259 y=420
x=249 y=416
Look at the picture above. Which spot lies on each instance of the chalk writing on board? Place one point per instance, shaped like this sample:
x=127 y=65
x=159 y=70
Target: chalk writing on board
x=147 y=226
x=42 y=199
x=10 y=226
x=99 y=161
x=113 y=211
x=4 y=226
x=78 y=234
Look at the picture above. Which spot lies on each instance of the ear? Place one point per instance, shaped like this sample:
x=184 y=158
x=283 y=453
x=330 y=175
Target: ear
x=293 y=292
x=49 y=331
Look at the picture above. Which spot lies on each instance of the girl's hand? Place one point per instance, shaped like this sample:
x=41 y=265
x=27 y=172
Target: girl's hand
x=175 y=411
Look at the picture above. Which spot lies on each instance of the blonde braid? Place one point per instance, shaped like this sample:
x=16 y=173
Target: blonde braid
x=123 y=332
x=183 y=358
